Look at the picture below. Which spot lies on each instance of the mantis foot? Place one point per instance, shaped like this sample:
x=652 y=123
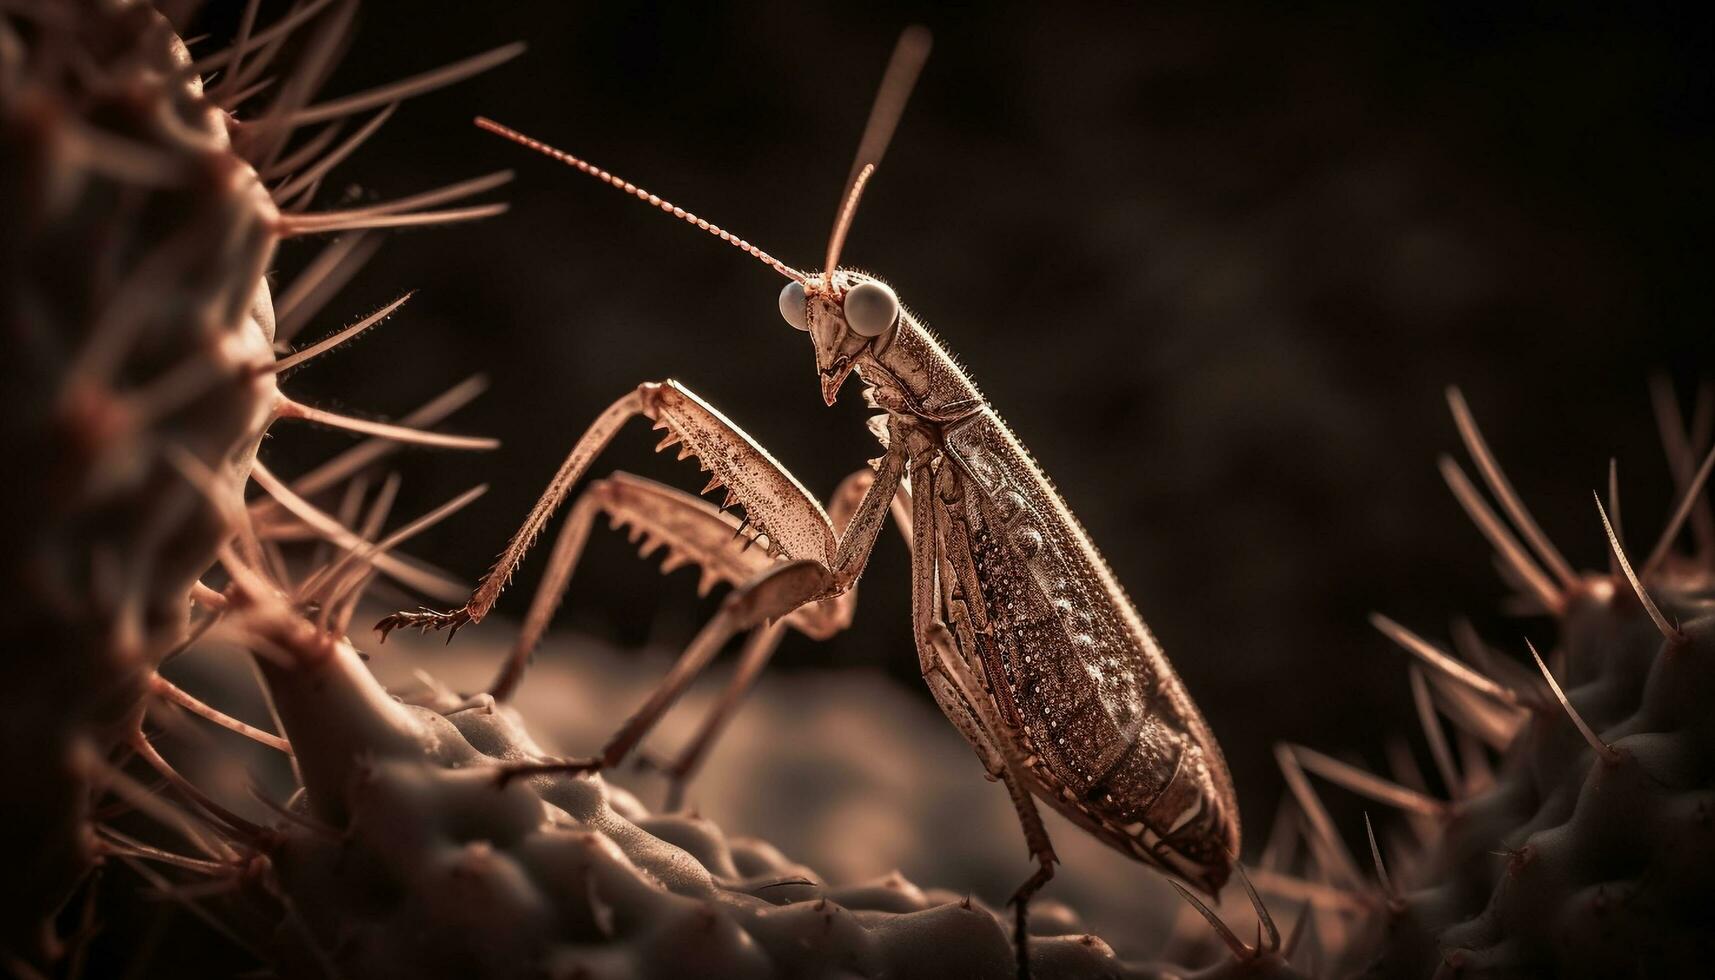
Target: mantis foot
x=423 y=620
x=1020 y=903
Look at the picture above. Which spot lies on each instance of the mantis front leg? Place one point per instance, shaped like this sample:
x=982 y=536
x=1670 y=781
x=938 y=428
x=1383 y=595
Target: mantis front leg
x=772 y=595
x=782 y=511
x=817 y=559
x=694 y=532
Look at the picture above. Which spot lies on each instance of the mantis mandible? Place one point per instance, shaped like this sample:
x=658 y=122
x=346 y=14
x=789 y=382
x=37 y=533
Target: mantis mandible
x=1027 y=641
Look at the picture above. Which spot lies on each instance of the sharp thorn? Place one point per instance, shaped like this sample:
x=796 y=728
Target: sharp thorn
x=1491 y=526
x=289 y=409
x=1264 y=921
x=1495 y=724
x=295 y=225
x=1614 y=513
x=1367 y=784
x=1381 y=868
x=313 y=175
x=285 y=25
x=1668 y=632
x=1439 y=750
x=1441 y=660
x=1234 y=943
x=1305 y=915
x=1602 y=748
x=321 y=347
x=1693 y=494
x=1503 y=489
x=405 y=88
x=1331 y=852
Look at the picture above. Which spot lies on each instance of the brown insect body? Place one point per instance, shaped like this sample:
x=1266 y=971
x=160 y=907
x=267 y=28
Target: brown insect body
x=1110 y=737
x=1028 y=643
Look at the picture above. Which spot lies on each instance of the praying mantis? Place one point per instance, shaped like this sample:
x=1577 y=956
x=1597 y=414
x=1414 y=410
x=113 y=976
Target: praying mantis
x=1027 y=641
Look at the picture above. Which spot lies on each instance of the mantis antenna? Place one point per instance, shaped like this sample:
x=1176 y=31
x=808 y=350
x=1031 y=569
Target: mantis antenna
x=896 y=84
x=628 y=187
x=909 y=54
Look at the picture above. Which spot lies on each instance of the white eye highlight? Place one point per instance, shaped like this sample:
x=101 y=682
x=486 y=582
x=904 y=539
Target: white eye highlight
x=871 y=307
x=793 y=305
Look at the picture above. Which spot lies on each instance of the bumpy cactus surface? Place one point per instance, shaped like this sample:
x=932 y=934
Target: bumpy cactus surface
x=413 y=856
x=1588 y=848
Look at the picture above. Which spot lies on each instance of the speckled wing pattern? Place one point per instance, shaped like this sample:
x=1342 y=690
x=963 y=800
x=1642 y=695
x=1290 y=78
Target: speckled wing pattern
x=1119 y=746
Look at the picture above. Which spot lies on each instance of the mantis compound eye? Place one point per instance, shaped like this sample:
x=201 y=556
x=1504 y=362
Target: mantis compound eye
x=794 y=305
x=871 y=307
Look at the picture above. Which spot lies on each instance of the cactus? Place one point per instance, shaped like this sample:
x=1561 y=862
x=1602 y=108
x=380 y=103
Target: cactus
x=410 y=853
x=1589 y=849
x=139 y=330
x=139 y=377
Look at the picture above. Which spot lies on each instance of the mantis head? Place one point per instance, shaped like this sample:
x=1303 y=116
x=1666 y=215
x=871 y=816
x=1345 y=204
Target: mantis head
x=844 y=314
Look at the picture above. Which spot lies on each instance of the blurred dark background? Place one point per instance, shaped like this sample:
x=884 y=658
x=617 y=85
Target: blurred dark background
x=1215 y=263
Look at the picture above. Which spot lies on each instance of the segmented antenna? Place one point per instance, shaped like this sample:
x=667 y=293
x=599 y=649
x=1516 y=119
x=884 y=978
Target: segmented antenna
x=896 y=84
x=628 y=187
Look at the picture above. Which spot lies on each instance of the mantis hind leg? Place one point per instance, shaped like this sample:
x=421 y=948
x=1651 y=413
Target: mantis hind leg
x=967 y=712
x=953 y=684
x=758 y=649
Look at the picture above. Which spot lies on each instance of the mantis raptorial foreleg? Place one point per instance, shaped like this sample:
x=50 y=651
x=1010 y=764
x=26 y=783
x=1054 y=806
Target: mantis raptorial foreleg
x=694 y=532
x=777 y=504
x=819 y=560
x=968 y=704
x=772 y=595
x=487 y=592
